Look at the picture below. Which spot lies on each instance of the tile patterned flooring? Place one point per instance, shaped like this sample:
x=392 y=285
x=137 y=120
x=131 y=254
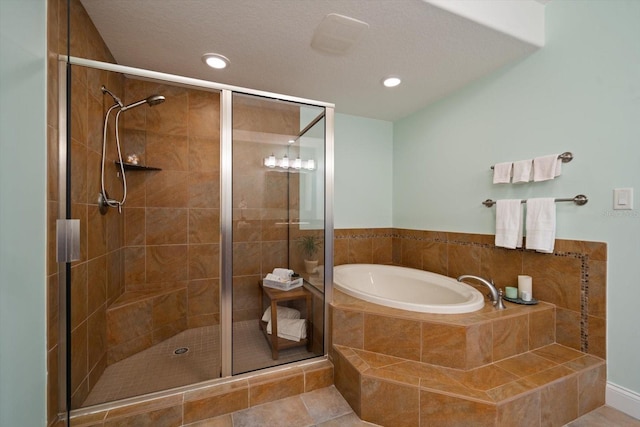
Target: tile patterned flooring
x=327 y=408
x=320 y=408
x=605 y=416
x=138 y=374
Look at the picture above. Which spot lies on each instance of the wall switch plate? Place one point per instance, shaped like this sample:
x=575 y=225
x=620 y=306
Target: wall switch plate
x=623 y=198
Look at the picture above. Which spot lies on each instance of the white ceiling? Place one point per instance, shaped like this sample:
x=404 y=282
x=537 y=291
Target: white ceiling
x=432 y=45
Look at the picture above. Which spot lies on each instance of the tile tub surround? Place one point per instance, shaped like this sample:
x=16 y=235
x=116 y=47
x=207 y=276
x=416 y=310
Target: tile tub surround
x=399 y=368
x=211 y=401
x=573 y=278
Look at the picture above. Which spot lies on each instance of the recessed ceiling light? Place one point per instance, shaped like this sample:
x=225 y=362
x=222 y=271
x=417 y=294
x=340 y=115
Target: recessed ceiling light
x=215 y=60
x=391 y=81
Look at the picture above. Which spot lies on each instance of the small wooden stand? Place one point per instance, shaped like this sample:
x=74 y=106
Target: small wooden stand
x=275 y=296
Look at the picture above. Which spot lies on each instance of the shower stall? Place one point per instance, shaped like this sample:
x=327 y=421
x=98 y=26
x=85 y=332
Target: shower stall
x=184 y=194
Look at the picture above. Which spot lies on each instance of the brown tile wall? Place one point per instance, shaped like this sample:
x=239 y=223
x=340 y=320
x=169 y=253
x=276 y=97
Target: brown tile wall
x=573 y=277
x=172 y=215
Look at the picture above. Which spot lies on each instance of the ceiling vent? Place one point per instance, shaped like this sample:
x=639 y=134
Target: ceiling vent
x=336 y=34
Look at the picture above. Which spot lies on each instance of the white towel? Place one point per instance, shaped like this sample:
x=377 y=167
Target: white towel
x=291 y=329
x=522 y=171
x=509 y=223
x=546 y=167
x=502 y=173
x=283 y=313
x=541 y=224
x=283 y=273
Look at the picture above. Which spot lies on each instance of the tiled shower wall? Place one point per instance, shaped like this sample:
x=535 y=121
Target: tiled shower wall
x=573 y=277
x=171 y=218
x=97 y=276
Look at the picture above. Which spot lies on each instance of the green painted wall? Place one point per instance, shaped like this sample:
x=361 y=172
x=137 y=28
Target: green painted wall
x=22 y=212
x=363 y=172
x=580 y=93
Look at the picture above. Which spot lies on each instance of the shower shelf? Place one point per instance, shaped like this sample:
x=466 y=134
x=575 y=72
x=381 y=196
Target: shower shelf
x=132 y=167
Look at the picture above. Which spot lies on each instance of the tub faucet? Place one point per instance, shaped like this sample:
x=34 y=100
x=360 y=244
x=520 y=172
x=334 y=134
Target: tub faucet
x=494 y=295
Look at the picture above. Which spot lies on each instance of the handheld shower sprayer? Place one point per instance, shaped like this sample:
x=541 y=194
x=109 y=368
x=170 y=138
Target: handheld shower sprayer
x=115 y=98
x=104 y=202
x=152 y=100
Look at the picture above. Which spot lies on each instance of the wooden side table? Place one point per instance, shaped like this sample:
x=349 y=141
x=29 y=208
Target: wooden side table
x=275 y=296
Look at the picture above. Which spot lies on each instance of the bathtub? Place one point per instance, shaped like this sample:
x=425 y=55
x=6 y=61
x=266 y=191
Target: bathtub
x=406 y=288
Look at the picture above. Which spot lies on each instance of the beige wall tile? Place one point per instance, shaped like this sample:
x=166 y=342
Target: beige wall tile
x=396 y=337
x=510 y=337
x=388 y=403
x=524 y=411
x=592 y=384
x=167 y=263
x=166 y=226
x=263 y=391
x=348 y=328
x=542 y=328
x=442 y=410
x=559 y=402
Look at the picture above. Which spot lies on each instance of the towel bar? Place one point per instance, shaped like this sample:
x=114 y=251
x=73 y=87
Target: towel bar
x=566 y=157
x=579 y=200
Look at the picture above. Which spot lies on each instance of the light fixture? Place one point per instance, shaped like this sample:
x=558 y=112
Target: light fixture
x=298 y=164
x=270 y=161
x=215 y=60
x=391 y=81
x=284 y=162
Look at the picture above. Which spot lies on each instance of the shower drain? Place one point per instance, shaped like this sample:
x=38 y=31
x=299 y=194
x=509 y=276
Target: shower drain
x=181 y=350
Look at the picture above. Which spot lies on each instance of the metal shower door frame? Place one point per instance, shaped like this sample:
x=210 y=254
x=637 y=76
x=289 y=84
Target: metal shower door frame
x=226 y=208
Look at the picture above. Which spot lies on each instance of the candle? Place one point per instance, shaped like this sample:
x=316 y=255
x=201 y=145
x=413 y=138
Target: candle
x=525 y=286
x=511 y=292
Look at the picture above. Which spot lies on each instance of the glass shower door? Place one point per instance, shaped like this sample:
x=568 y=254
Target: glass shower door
x=278 y=204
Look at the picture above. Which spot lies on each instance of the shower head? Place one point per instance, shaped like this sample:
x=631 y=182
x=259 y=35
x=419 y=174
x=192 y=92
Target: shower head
x=115 y=98
x=152 y=100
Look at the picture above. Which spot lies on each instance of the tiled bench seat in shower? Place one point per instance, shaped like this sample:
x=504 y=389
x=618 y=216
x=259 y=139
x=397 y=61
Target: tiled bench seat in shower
x=139 y=319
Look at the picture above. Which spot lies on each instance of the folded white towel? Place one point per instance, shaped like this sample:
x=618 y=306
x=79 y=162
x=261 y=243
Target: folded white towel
x=283 y=273
x=546 y=167
x=283 y=313
x=502 y=173
x=291 y=329
x=275 y=278
x=522 y=171
x=541 y=224
x=509 y=223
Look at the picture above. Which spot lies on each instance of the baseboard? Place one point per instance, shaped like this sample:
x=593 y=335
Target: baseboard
x=623 y=400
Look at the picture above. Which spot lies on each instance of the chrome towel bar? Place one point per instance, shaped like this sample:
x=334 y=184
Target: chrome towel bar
x=566 y=157
x=579 y=200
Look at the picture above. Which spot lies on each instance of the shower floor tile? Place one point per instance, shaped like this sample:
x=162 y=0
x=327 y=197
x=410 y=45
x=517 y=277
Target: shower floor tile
x=159 y=368
x=251 y=350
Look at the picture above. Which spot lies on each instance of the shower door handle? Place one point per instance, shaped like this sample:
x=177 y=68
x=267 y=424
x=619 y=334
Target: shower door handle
x=68 y=240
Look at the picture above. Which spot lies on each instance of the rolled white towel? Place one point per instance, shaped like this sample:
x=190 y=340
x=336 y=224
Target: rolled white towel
x=291 y=329
x=283 y=273
x=283 y=313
